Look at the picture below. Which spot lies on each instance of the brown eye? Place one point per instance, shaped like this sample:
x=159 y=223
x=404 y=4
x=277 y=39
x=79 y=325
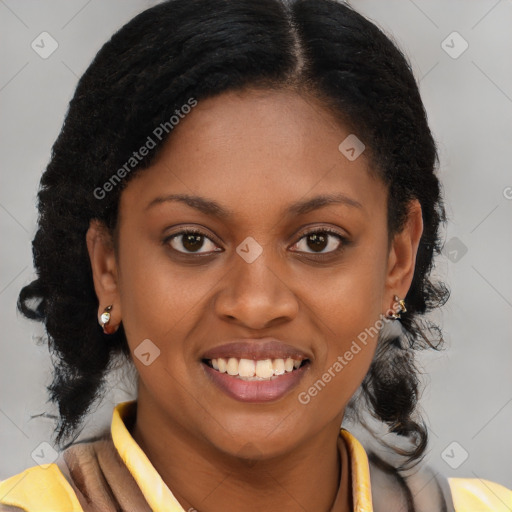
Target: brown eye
x=191 y=242
x=318 y=241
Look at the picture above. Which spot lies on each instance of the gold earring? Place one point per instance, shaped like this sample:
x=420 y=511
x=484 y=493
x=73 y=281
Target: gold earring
x=402 y=308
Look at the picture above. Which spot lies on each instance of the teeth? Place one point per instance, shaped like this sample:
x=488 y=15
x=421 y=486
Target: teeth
x=221 y=363
x=232 y=366
x=264 y=369
x=278 y=366
x=248 y=369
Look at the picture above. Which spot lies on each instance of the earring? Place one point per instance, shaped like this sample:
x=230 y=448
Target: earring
x=105 y=319
x=402 y=308
x=392 y=330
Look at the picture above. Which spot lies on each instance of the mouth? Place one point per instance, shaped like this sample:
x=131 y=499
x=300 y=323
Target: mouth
x=258 y=370
x=255 y=369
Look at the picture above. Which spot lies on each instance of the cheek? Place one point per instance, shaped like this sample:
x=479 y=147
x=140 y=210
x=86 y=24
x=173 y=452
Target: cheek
x=158 y=302
x=349 y=297
x=350 y=343
x=157 y=297
x=348 y=313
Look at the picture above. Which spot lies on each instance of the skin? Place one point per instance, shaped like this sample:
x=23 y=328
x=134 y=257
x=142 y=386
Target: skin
x=254 y=152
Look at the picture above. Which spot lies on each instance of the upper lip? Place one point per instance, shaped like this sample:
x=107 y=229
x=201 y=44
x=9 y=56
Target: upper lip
x=262 y=348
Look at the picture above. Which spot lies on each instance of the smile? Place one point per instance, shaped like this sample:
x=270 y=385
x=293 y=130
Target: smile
x=255 y=370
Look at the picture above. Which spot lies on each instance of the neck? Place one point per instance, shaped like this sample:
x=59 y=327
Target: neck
x=204 y=478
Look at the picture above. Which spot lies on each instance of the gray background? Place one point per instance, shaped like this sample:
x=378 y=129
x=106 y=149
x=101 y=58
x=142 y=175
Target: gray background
x=469 y=102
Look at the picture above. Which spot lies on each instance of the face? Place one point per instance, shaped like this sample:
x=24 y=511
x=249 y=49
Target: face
x=254 y=246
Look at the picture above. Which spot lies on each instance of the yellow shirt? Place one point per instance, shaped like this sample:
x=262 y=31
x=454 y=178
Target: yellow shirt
x=47 y=489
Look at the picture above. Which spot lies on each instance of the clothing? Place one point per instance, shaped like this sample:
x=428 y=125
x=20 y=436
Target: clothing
x=113 y=474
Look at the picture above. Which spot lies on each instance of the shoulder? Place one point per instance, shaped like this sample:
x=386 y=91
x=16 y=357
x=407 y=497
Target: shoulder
x=420 y=489
x=50 y=486
x=38 y=488
x=425 y=489
x=90 y=471
x=477 y=494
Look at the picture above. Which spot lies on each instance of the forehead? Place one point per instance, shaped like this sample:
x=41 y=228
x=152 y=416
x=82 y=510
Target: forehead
x=256 y=149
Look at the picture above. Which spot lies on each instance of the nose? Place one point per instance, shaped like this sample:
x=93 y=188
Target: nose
x=257 y=295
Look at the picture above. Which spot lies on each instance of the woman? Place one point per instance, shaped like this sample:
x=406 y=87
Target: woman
x=243 y=204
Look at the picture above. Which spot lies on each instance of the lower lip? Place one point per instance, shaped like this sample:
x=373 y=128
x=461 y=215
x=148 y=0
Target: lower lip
x=256 y=390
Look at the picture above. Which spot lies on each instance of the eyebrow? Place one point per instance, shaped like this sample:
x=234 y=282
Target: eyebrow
x=211 y=207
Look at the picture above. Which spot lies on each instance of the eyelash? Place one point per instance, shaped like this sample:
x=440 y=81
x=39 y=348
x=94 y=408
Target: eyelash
x=342 y=239
x=323 y=255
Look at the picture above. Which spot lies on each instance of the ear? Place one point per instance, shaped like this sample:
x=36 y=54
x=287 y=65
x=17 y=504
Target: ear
x=402 y=256
x=100 y=247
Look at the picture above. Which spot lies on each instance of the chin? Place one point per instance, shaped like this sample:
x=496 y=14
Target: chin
x=255 y=442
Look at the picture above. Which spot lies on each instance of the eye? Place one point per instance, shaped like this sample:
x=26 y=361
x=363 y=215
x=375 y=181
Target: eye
x=192 y=241
x=320 y=241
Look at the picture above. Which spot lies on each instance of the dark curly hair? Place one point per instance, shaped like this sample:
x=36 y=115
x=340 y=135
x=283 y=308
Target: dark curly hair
x=182 y=49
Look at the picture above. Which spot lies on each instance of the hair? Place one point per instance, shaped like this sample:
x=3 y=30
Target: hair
x=183 y=49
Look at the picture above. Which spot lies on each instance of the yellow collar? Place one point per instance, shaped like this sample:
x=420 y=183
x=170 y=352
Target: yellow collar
x=160 y=497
